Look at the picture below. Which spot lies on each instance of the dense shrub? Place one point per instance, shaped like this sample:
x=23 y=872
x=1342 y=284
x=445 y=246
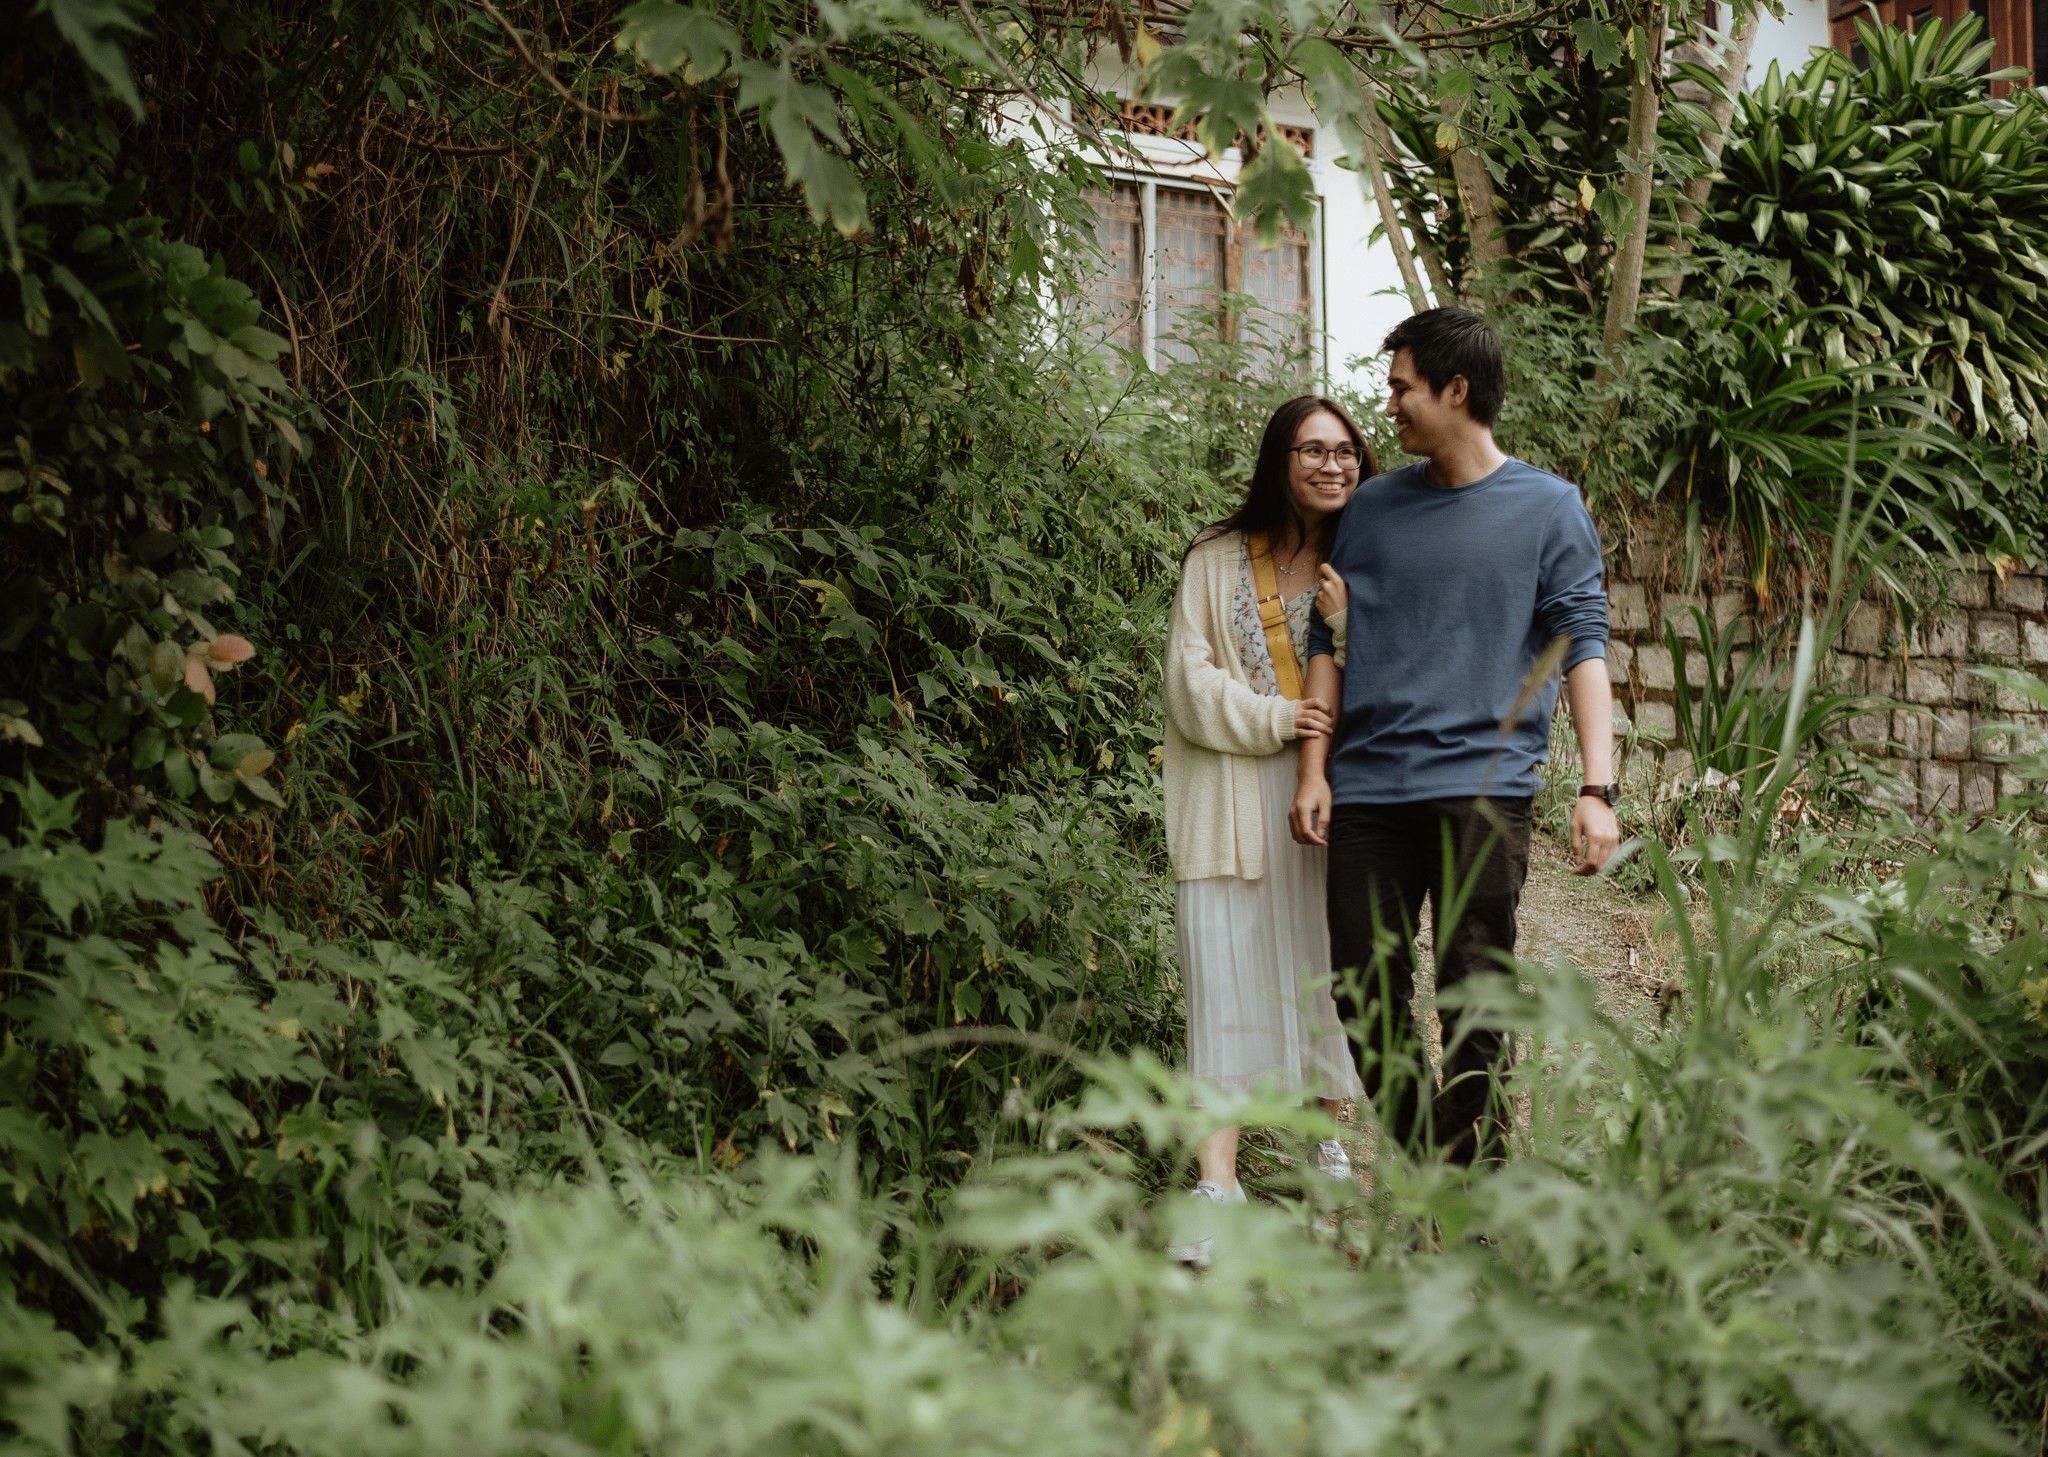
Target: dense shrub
x=661 y=725
x=1767 y=1222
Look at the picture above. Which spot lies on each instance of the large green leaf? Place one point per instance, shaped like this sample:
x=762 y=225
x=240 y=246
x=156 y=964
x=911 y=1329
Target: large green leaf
x=803 y=120
x=682 y=40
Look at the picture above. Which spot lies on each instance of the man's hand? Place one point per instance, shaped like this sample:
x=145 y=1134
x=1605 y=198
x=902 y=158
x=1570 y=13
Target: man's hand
x=1313 y=719
x=1308 y=818
x=1595 y=834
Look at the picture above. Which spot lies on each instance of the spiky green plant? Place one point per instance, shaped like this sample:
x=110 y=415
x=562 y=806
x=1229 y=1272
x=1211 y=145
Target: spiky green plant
x=1917 y=202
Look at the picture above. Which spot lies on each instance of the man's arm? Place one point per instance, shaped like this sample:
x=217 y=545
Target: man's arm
x=1594 y=831
x=1308 y=819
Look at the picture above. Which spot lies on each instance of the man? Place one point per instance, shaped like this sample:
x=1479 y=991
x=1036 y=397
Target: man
x=1467 y=573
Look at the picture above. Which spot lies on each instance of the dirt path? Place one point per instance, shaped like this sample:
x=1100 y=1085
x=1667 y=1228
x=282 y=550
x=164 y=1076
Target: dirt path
x=1604 y=930
x=1597 y=926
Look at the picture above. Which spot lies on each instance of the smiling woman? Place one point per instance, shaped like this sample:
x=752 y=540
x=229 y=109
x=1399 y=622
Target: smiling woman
x=1249 y=924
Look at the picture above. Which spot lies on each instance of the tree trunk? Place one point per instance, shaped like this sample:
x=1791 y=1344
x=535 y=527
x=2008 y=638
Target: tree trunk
x=1476 y=199
x=1377 y=149
x=1644 y=102
x=1432 y=260
x=1729 y=71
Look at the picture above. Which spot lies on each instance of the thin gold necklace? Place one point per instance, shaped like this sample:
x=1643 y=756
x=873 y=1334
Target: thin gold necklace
x=1294 y=568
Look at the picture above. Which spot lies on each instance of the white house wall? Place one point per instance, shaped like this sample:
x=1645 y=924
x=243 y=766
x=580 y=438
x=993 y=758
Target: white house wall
x=1788 y=39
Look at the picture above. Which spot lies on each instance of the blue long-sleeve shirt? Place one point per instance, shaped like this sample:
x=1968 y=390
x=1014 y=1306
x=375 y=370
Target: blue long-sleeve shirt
x=1455 y=594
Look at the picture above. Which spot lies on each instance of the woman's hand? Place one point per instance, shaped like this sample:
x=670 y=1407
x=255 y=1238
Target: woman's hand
x=1332 y=596
x=1313 y=719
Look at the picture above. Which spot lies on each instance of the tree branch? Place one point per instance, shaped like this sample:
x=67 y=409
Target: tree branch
x=542 y=70
x=1432 y=259
x=1376 y=151
x=1476 y=198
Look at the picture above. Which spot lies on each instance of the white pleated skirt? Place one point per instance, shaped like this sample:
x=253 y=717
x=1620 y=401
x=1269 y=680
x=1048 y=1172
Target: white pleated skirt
x=1255 y=963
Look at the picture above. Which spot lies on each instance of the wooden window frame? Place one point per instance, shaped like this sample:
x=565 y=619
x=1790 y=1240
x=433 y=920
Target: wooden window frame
x=1236 y=236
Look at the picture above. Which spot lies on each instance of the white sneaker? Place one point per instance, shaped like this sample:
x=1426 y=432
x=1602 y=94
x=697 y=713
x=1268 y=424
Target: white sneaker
x=1196 y=1252
x=1331 y=1159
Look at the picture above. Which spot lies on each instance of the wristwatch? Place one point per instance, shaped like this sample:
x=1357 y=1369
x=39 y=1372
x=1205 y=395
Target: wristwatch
x=1601 y=791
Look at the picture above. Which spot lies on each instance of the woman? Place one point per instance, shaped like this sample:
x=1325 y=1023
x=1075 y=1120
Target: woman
x=1254 y=944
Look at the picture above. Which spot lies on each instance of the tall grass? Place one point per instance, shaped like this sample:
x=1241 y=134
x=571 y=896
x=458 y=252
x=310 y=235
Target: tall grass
x=1803 y=1214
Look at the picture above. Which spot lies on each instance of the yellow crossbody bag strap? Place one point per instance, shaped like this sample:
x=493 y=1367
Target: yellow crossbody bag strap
x=1273 y=617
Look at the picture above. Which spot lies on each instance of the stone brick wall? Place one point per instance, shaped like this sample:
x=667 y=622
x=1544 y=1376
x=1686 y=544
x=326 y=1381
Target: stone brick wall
x=1940 y=744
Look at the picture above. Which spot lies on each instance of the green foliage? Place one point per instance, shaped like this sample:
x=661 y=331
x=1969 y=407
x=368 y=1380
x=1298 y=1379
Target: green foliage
x=741 y=740
x=1765 y=1224
x=148 y=413
x=1863 y=292
x=1917 y=203
x=1785 y=419
x=1734 y=724
x=710 y=657
x=1551 y=117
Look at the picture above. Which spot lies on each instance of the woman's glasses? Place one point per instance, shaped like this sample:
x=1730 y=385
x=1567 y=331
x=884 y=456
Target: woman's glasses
x=1314 y=455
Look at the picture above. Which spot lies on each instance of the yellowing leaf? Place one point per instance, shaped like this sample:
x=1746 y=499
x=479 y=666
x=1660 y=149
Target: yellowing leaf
x=1145 y=45
x=1585 y=194
x=256 y=763
x=165 y=664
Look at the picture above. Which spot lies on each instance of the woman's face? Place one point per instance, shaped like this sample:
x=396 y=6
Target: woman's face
x=1323 y=468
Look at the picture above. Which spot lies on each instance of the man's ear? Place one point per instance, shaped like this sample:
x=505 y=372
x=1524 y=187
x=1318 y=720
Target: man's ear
x=1457 y=390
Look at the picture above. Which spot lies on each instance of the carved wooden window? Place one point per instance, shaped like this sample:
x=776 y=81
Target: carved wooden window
x=1173 y=258
x=1116 y=288
x=1192 y=254
x=1276 y=326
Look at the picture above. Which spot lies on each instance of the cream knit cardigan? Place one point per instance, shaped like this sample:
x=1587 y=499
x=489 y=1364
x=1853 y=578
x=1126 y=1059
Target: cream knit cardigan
x=1215 y=723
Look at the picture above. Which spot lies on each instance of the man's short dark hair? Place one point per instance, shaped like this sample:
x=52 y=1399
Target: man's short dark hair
x=1445 y=343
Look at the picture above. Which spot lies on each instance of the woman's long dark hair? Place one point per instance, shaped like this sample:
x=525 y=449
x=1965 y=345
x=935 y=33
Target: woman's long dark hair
x=1268 y=503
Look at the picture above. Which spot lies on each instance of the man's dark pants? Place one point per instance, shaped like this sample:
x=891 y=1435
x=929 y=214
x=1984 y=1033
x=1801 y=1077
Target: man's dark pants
x=1468 y=857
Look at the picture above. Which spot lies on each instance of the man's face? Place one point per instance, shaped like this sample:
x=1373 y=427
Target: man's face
x=1423 y=417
